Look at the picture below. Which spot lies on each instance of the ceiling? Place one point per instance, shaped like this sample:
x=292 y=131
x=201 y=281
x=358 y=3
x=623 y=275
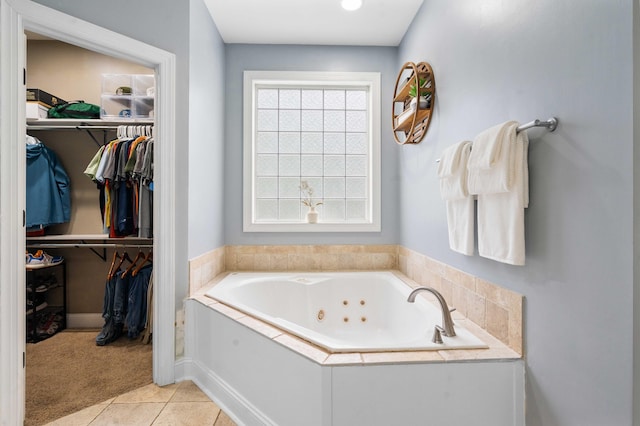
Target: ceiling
x=318 y=22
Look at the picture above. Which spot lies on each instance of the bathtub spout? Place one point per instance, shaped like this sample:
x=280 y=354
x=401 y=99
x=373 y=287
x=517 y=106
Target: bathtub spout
x=447 y=322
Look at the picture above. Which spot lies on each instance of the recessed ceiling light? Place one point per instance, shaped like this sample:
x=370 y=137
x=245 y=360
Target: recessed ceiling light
x=351 y=4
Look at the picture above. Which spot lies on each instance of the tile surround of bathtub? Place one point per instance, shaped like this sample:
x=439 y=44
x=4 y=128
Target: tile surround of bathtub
x=493 y=308
x=311 y=258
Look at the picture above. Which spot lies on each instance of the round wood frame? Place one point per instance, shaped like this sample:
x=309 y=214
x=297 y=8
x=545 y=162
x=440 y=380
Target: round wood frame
x=411 y=130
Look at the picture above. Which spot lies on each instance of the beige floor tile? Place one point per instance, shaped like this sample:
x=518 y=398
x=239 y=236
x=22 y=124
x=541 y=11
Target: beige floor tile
x=224 y=420
x=80 y=418
x=187 y=414
x=189 y=392
x=149 y=393
x=142 y=414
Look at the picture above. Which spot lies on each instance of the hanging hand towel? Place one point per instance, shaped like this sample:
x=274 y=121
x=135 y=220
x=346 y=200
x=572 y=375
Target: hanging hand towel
x=452 y=173
x=491 y=159
x=501 y=215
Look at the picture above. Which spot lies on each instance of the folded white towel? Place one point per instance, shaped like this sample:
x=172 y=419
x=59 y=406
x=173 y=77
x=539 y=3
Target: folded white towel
x=501 y=234
x=452 y=173
x=491 y=159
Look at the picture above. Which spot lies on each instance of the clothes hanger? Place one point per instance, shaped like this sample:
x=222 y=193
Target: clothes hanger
x=113 y=263
x=124 y=257
x=139 y=256
x=147 y=258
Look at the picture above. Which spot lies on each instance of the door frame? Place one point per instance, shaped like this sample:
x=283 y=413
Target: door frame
x=16 y=16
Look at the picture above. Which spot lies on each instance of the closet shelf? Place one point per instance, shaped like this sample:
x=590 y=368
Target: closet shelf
x=72 y=123
x=89 y=241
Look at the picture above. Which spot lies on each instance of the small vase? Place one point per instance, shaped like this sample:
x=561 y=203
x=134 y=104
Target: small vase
x=312 y=215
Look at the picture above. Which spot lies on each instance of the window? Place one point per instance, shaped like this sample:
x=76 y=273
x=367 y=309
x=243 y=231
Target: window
x=315 y=129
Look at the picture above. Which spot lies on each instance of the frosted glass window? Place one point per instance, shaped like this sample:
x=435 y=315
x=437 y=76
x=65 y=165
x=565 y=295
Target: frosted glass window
x=356 y=143
x=289 y=187
x=356 y=165
x=356 y=121
x=289 y=210
x=356 y=210
x=267 y=210
x=312 y=99
x=267 y=165
x=334 y=143
x=268 y=98
x=289 y=143
x=311 y=165
x=311 y=121
x=289 y=120
x=334 y=187
x=289 y=99
x=356 y=99
x=267 y=120
x=334 y=165
x=311 y=143
x=323 y=132
x=267 y=187
x=289 y=165
x=334 y=210
x=356 y=187
x=267 y=142
x=334 y=99
x=334 y=121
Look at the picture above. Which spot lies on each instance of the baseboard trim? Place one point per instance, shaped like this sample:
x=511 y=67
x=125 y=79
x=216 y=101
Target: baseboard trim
x=84 y=320
x=241 y=411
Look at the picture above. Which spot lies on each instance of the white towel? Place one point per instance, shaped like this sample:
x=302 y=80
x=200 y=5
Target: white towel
x=491 y=158
x=452 y=173
x=501 y=215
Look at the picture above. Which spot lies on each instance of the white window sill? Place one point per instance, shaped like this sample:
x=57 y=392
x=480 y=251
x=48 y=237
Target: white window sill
x=311 y=227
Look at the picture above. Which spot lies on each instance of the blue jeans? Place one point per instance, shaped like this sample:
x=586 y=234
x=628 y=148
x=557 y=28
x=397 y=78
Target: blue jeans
x=137 y=303
x=114 y=309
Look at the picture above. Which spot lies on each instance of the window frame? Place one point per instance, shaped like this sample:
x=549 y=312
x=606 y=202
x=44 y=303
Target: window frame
x=252 y=81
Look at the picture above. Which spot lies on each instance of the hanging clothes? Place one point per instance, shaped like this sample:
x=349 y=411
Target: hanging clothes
x=123 y=172
x=48 y=195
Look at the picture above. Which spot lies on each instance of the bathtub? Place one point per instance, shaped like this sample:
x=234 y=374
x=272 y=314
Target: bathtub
x=341 y=311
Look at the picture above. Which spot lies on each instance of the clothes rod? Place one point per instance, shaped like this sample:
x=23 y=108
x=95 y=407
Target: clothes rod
x=30 y=127
x=89 y=245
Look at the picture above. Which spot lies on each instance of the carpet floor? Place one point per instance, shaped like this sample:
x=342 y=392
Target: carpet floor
x=68 y=372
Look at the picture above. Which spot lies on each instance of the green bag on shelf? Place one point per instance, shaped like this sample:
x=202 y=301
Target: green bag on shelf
x=75 y=109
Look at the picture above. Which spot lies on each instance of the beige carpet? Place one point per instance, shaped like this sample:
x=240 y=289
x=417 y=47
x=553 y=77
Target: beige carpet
x=68 y=372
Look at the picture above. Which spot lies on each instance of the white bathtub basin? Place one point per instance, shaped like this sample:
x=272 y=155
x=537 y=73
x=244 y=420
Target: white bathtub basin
x=341 y=311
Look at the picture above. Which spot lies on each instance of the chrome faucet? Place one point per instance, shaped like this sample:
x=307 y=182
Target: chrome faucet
x=447 y=322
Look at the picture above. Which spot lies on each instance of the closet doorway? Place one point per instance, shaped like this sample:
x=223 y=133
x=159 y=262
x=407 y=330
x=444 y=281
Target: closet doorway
x=16 y=17
x=107 y=355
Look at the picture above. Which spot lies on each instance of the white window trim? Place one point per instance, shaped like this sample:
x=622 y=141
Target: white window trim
x=256 y=78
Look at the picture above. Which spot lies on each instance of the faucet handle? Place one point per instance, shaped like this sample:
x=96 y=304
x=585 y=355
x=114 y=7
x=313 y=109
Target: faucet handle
x=437 y=335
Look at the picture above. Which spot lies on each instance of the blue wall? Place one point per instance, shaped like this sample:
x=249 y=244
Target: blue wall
x=306 y=58
x=496 y=61
x=206 y=132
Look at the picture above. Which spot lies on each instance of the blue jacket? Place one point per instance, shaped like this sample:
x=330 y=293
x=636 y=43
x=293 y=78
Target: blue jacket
x=48 y=191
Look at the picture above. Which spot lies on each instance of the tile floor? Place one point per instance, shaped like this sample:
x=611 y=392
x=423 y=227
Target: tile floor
x=178 y=404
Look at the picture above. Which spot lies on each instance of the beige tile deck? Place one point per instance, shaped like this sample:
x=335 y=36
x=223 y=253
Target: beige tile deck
x=178 y=404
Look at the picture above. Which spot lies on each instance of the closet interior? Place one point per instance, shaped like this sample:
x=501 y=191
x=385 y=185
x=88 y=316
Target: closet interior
x=90 y=266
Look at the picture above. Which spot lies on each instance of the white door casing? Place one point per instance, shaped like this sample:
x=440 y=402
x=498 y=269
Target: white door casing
x=16 y=16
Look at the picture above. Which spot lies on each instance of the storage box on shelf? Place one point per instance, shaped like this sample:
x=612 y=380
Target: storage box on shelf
x=127 y=96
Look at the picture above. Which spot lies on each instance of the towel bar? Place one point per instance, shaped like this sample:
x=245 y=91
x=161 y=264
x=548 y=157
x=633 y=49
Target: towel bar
x=550 y=124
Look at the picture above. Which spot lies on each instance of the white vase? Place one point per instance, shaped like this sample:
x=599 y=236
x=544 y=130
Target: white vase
x=423 y=103
x=312 y=215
